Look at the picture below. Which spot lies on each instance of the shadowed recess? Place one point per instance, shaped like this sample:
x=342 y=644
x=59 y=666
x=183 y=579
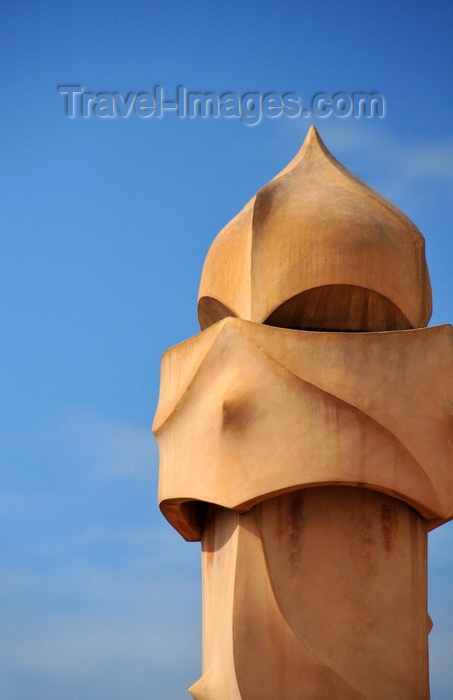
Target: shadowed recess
x=339 y=307
x=210 y=311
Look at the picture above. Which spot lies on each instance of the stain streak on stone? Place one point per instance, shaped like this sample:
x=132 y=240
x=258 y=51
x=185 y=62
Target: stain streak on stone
x=389 y=526
x=294 y=522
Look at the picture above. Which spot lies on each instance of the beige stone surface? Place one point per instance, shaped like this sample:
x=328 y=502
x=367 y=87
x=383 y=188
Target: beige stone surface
x=319 y=594
x=247 y=411
x=318 y=248
x=306 y=438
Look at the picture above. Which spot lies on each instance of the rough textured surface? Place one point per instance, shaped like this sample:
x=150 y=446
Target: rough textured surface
x=311 y=463
x=318 y=248
x=247 y=411
x=308 y=592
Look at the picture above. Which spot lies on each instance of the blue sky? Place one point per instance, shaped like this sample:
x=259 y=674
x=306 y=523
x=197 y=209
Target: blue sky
x=105 y=225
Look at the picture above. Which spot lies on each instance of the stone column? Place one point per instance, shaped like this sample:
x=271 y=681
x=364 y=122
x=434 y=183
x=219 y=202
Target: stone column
x=319 y=593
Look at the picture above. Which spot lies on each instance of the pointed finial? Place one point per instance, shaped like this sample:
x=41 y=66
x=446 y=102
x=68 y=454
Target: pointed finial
x=318 y=249
x=312 y=143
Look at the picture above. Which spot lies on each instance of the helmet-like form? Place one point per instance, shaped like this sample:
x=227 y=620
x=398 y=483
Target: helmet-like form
x=318 y=249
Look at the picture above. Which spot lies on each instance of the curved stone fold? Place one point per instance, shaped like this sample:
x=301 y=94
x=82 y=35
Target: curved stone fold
x=319 y=249
x=333 y=404
x=306 y=438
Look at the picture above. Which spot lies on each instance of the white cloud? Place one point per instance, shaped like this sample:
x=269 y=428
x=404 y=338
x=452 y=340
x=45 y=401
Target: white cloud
x=419 y=160
x=79 y=619
x=426 y=161
x=110 y=449
x=86 y=646
x=19 y=503
x=405 y=172
x=441 y=610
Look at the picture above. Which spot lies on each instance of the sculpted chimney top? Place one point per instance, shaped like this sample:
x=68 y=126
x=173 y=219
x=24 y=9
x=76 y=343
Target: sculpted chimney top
x=311 y=465
x=318 y=249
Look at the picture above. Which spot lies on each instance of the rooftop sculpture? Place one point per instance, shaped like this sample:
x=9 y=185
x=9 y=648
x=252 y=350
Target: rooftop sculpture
x=305 y=437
